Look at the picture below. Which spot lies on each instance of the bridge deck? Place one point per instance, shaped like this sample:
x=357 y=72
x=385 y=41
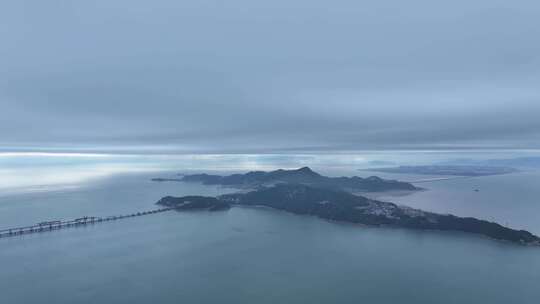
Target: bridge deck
x=55 y=225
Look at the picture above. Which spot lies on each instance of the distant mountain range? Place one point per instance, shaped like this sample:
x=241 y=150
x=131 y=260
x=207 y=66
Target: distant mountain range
x=446 y=170
x=305 y=176
x=518 y=162
x=342 y=206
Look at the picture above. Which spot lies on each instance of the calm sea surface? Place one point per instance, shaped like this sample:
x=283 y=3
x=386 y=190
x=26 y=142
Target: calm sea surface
x=250 y=255
x=512 y=200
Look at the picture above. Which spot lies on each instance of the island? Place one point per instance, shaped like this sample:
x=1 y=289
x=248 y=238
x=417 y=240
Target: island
x=257 y=179
x=452 y=170
x=337 y=205
x=194 y=202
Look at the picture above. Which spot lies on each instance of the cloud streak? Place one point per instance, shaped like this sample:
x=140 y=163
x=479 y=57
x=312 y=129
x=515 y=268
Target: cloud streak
x=246 y=77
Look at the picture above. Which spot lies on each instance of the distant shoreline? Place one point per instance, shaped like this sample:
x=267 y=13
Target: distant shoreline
x=438 y=179
x=446 y=170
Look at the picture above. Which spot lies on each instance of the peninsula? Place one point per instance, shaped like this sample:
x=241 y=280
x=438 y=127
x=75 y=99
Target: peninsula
x=342 y=206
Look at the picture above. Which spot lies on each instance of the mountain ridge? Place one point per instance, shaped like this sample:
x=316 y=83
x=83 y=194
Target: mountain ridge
x=303 y=175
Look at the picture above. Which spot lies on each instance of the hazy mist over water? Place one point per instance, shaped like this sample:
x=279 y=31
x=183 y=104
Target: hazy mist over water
x=508 y=199
x=24 y=170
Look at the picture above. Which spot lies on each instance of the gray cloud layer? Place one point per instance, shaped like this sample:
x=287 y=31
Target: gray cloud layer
x=268 y=76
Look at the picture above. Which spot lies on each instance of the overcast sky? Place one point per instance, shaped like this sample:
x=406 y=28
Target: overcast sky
x=246 y=76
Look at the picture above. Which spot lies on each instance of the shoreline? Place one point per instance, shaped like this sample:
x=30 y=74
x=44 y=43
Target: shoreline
x=390 y=227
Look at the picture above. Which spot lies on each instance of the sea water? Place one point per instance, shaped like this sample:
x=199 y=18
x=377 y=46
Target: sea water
x=252 y=255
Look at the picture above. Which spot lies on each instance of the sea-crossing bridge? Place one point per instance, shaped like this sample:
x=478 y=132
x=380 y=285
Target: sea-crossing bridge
x=82 y=221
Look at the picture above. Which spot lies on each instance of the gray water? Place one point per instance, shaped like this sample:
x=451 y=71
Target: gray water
x=512 y=199
x=247 y=255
